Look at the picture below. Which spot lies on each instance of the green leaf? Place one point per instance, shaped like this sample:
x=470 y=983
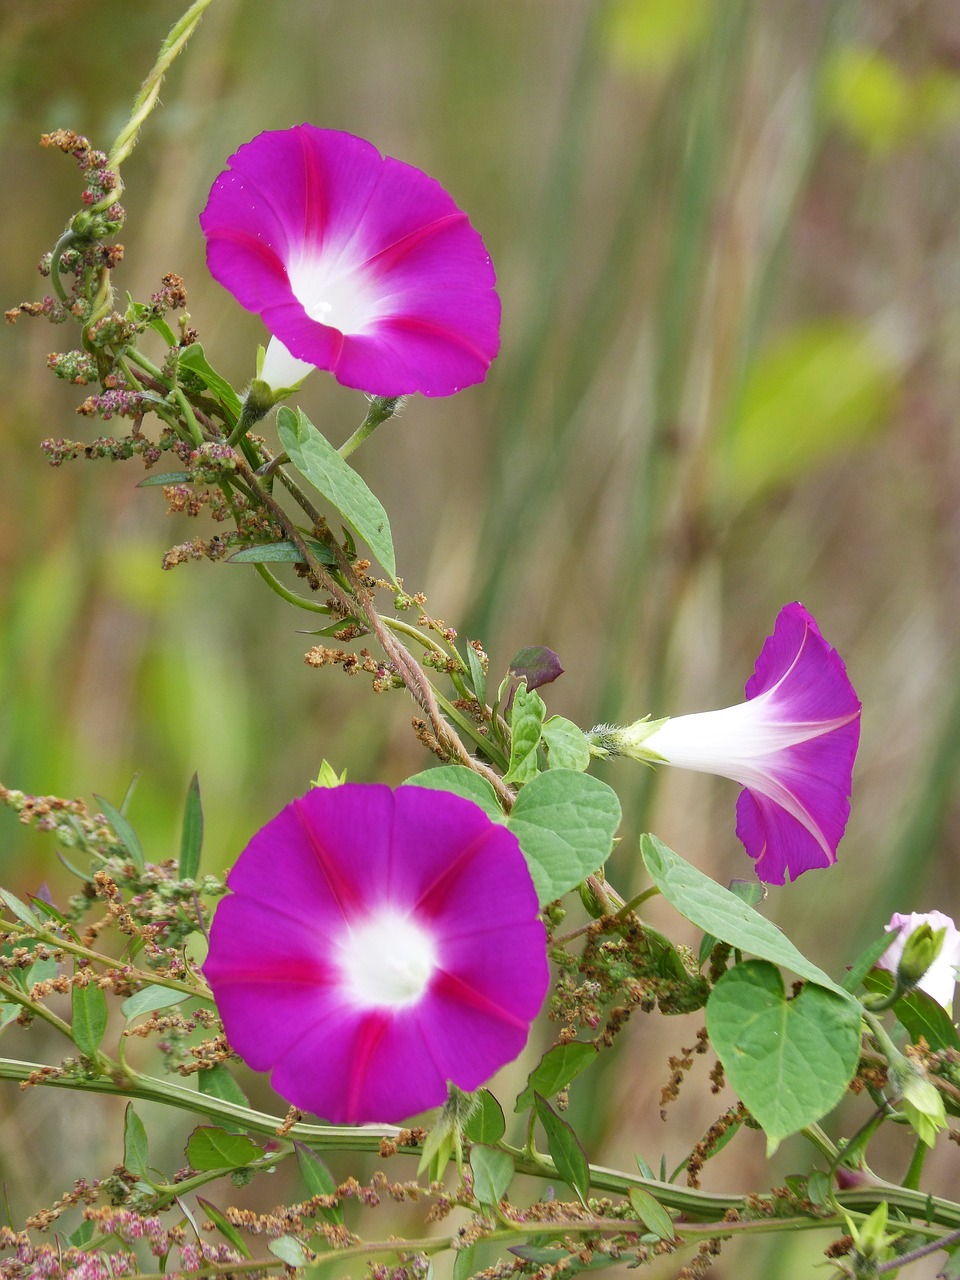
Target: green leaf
x=464 y=1262
x=462 y=782
x=134 y=1143
x=125 y=833
x=492 y=1174
x=719 y=911
x=918 y=1013
x=158 y=478
x=289 y=1250
x=218 y=1082
x=9 y=1012
x=89 y=1017
x=20 y=910
x=652 y=1213
x=555 y=1070
x=752 y=892
x=526 y=721
x=283 y=552
x=318 y=1180
x=485 y=1122
x=213 y=1148
x=194 y=360
x=478 y=677
x=564 y=1146
x=83 y=1234
x=317 y=460
x=865 y=962
x=191 y=833
x=226 y=1229
x=149 y=999
x=790 y=1061
x=566 y=744
x=565 y=822
x=159 y=325
x=821 y=389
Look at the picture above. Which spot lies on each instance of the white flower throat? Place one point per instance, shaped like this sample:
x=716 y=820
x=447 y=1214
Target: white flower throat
x=388 y=960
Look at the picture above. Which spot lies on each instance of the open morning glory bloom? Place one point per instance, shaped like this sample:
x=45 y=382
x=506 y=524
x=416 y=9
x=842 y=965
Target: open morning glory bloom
x=376 y=945
x=791 y=746
x=357 y=263
x=940 y=978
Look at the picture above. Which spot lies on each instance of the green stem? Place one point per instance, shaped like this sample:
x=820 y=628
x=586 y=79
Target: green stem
x=291 y=597
x=924 y=1210
x=912 y=1176
x=68 y=239
x=381 y=408
x=146 y=99
x=815 y=1135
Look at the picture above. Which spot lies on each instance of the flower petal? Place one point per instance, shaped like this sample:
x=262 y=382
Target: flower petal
x=347 y=879
x=358 y=263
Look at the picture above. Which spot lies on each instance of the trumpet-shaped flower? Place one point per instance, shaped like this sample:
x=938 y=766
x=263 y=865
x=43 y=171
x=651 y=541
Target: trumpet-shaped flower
x=376 y=945
x=939 y=977
x=357 y=263
x=791 y=746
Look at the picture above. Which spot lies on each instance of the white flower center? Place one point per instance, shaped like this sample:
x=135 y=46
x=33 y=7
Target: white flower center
x=388 y=960
x=333 y=293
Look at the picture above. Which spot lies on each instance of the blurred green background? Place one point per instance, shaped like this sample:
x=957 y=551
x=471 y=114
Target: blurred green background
x=726 y=236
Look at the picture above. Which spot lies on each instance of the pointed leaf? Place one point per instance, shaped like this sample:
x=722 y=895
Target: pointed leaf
x=492 y=1174
x=124 y=832
x=718 y=911
x=149 y=999
x=652 y=1213
x=564 y=1146
x=318 y=1180
x=478 y=677
x=134 y=1143
x=218 y=1082
x=555 y=1070
x=88 y=1017
x=191 y=834
x=20 y=910
x=194 y=360
x=485 y=1122
x=565 y=822
x=226 y=1229
x=464 y=1262
x=865 y=962
x=157 y=478
x=317 y=460
x=283 y=552
x=790 y=1061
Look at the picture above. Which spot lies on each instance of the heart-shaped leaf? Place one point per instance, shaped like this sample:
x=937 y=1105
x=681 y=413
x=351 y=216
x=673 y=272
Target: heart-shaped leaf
x=789 y=1060
x=565 y=822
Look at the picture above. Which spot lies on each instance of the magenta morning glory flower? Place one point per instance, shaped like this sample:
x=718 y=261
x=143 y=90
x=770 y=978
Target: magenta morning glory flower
x=376 y=945
x=791 y=745
x=358 y=263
